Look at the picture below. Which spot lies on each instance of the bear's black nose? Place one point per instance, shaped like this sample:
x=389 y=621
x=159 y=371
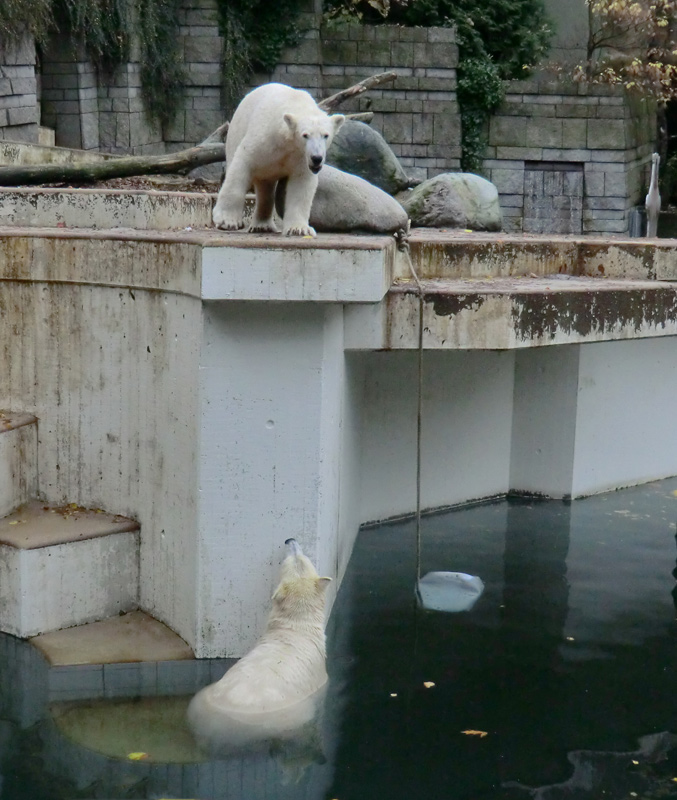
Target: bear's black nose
x=316 y=161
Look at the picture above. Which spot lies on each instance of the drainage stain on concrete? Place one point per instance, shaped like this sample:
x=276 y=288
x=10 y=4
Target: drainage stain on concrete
x=582 y=313
x=448 y=305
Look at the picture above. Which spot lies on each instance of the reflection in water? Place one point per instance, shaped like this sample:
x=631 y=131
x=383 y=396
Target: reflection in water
x=569 y=650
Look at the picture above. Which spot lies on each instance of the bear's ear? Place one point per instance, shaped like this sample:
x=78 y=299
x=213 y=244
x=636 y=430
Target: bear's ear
x=338 y=119
x=322 y=583
x=290 y=119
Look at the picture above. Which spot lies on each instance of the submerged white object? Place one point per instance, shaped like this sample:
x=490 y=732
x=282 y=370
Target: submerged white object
x=449 y=591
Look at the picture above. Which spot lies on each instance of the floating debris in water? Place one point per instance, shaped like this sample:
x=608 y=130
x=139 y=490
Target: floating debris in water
x=449 y=591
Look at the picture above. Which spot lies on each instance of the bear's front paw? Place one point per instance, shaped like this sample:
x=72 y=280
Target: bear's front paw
x=227 y=222
x=263 y=227
x=299 y=230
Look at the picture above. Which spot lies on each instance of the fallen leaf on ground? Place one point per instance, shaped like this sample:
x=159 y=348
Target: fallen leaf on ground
x=137 y=756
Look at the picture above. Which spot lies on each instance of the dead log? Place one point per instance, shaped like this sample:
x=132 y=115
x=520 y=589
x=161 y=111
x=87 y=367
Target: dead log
x=210 y=151
x=330 y=103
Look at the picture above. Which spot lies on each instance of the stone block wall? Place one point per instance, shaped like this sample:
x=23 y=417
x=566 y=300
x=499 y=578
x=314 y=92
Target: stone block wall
x=417 y=114
x=202 y=46
x=19 y=111
x=593 y=132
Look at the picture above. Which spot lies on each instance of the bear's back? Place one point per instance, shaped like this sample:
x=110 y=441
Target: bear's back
x=260 y=115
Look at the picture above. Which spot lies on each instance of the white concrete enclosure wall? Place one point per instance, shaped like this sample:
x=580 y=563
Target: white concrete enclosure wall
x=466 y=429
x=108 y=363
x=227 y=425
x=272 y=385
x=626 y=431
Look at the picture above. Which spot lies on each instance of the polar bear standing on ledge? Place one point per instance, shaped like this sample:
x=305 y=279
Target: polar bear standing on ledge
x=276 y=132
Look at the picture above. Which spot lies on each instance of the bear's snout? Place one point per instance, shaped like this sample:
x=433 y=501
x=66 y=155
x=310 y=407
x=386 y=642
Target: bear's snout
x=316 y=163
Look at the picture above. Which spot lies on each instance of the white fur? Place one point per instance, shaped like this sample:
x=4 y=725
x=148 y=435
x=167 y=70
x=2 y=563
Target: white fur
x=276 y=687
x=276 y=132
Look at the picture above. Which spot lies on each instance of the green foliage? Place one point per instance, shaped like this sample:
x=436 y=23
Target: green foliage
x=255 y=33
x=480 y=92
x=24 y=16
x=498 y=40
x=162 y=69
x=102 y=27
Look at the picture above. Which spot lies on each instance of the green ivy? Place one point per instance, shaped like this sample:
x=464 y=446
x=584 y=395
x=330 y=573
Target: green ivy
x=18 y=17
x=255 y=32
x=498 y=40
x=480 y=92
x=162 y=68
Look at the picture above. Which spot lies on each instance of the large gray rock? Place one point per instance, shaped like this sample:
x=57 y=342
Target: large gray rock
x=360 y=150
x=454 y=200
x=346 y=202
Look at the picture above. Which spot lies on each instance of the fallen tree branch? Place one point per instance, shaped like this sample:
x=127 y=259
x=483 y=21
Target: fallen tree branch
x=210 y=151
x=330 y=103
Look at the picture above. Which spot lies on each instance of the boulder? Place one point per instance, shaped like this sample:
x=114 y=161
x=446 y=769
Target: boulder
x=345 y=202
x=454 y=200
x=360 y=150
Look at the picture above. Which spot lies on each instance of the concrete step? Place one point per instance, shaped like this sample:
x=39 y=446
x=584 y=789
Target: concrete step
x=18 y=459
x=65 y=566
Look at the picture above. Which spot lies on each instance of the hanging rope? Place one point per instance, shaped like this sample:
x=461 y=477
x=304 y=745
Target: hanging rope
x=403 y=246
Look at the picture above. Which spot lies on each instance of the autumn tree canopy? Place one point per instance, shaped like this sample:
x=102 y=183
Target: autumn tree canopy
x=632 y=43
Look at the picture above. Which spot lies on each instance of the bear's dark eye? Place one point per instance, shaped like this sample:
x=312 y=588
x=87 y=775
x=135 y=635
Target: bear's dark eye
x=325 y=136
x=306 y=136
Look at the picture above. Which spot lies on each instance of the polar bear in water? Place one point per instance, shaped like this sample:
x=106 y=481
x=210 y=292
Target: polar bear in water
x=276 y=132
x=278 y=687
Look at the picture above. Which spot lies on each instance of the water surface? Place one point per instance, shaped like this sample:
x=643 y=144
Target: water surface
x=571 y=648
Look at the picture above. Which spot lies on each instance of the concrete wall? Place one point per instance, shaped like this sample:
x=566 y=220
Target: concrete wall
x=466 y=429
x=227 y=426
x=111 y=373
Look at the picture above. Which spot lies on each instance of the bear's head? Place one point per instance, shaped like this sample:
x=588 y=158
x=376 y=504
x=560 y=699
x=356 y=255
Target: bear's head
x=300 y=594
x=316 y=134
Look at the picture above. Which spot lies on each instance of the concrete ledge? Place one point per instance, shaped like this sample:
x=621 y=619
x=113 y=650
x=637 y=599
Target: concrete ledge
x=452 y=254
x=329 y=268
x=105 y=209
x=510 y=313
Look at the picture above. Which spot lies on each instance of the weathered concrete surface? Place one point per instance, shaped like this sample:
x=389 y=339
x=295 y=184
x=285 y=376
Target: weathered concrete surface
x=225 y=423
x=442 y=254
x=130 y=637
x=333 y=269
x=36 y=525
x=18 y=459
x=103 y=209
x=507 y=313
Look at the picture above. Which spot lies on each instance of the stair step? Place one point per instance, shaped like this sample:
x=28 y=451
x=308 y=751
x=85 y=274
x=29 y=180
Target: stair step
x=65 y=566
x=18 y=459
x=121 y=639
x=35 y=525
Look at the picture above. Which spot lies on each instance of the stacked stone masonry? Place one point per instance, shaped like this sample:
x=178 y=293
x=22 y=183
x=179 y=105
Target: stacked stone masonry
x=417 y=113
x=592 y=148
x=19 y=112
x=565 y=158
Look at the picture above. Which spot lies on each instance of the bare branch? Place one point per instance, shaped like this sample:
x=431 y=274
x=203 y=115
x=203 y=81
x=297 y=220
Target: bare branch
x=330 y=103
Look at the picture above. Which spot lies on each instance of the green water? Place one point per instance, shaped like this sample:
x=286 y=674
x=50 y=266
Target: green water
x=571 y=648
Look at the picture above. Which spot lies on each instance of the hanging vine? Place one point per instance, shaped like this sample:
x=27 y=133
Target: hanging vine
x=497 y=41
x=255 y=32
